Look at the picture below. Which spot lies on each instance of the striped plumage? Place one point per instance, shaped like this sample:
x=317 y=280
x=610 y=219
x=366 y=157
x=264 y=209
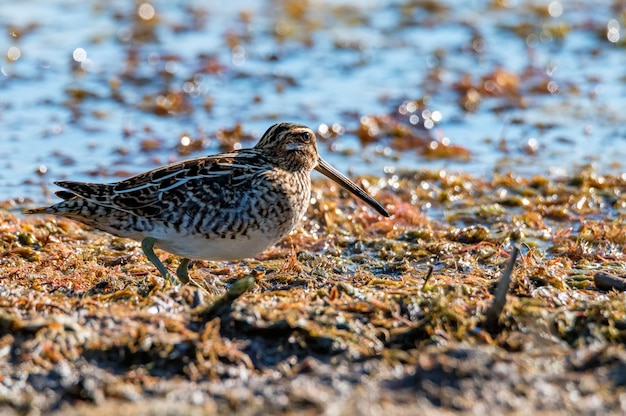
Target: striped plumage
x=228 y=206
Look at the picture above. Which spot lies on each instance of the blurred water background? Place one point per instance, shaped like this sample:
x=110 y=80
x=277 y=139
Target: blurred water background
x=97 y=91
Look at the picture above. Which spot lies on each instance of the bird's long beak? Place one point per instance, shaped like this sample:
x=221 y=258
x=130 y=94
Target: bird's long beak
x=324 y=168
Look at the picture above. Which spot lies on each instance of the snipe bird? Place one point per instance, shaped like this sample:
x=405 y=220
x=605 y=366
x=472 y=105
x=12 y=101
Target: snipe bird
x=229 y=206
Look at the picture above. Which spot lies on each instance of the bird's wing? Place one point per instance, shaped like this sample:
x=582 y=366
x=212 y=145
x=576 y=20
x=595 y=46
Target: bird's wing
x=148 y=194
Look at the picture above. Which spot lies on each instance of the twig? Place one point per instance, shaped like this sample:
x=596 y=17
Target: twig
x=431 y=268
x=223 y=305
x=494 y=311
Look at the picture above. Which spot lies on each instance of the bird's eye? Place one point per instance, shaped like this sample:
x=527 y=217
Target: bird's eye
x=306 y=137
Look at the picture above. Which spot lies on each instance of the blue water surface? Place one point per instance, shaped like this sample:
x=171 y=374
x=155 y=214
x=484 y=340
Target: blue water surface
x=321 y=63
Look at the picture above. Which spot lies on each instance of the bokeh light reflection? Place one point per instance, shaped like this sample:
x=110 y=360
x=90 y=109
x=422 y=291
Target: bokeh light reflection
x=14 y=53
x=613 y=31
x=146 y=11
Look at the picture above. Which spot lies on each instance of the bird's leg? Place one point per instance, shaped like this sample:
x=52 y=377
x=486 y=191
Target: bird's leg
x=147 y=244
x=182 y=270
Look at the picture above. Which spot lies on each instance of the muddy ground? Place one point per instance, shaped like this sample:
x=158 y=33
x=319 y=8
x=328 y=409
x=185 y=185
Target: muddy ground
x=352 y=314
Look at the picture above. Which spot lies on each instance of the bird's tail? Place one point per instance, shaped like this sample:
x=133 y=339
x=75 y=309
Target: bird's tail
x=41 y=210
x=54 y=209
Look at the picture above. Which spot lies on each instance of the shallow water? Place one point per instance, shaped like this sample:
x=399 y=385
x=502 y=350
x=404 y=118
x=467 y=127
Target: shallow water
x=80 y=83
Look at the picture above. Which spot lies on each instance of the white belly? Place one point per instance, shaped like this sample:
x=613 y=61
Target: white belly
x=197 y=247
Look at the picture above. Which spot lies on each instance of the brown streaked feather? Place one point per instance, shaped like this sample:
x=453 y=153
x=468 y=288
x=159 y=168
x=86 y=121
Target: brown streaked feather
x=149 y=194
x=65 y=195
